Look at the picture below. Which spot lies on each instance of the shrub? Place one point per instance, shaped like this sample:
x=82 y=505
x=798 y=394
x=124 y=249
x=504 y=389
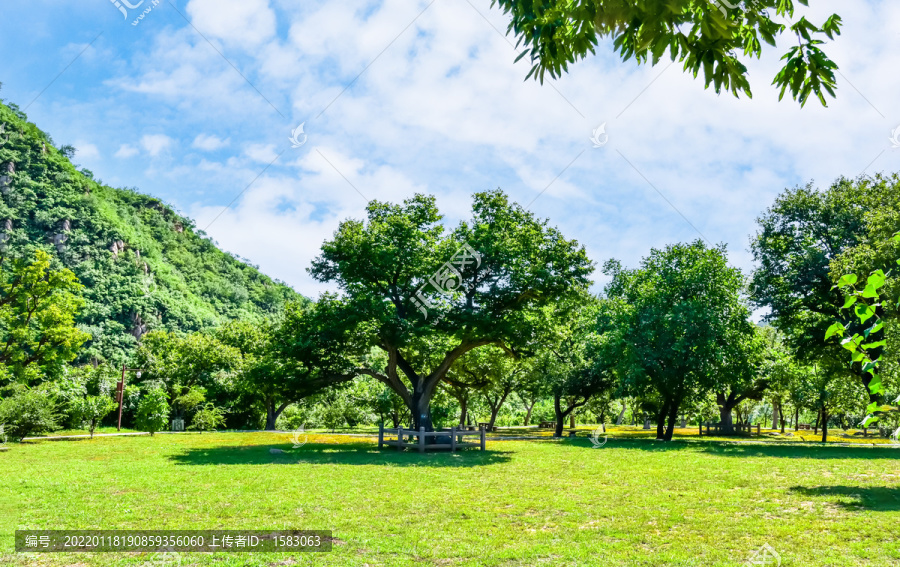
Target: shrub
x=93 y=409
x=28 y=412
x=207 y=419
x=153 y=411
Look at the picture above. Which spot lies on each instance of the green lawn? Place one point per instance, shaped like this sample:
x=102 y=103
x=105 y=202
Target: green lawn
x=538 y=502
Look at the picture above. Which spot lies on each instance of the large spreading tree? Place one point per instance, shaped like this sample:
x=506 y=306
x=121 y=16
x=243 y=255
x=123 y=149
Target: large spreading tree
x=428 y=295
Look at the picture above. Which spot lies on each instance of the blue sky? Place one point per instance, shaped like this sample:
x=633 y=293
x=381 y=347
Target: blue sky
x=196 y=105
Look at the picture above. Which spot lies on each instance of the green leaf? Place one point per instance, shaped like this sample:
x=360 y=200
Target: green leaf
x=864 y=312
x=834 y=329
x=848 y=279
x=874 y=328
x=877 y=278
x=870 y=292
x=850 y=301
x=876 y=387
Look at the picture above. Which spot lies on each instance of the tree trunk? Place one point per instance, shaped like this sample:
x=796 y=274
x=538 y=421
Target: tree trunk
x=494 y=412
x=726 y=421
x=775 y=414
x=824 y=425
x=661 y=421
x=572 y=420
x=528 y=409
x=272 y=413
x=621 y=415
x=495 y=409
x=421 y=411
x=560 y=417
x=796 y=419
x=463 y=409
x=673 y=415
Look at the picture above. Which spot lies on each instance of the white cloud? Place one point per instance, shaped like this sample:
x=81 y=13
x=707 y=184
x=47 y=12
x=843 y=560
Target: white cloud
x=445 y=110
x=243 y=22
x=283 y=217
x=209 y=142
x=86 y=150
x=155 y=144
x=261 y=153
x=126 y=151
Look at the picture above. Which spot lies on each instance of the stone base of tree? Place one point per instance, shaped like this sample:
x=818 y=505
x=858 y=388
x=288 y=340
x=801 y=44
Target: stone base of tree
x=446 y=439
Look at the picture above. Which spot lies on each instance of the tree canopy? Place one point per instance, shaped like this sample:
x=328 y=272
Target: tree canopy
x=686 y=325
x=38 y=306
x=712 y=36
x=418 y=287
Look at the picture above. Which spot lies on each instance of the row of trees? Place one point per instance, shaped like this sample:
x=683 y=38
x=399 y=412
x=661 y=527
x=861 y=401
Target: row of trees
x=431 y=323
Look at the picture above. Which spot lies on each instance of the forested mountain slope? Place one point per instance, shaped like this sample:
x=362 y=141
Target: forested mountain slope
x=143 y=266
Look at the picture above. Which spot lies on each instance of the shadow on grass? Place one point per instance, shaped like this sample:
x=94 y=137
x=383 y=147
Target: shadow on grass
x=341 y=454
x=875 y=498
x=778 y=449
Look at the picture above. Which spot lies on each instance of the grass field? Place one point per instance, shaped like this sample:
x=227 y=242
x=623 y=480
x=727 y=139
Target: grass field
x=537 y=502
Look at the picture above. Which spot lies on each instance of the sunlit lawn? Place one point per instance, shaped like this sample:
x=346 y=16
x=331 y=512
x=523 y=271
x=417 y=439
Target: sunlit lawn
x=528 y=502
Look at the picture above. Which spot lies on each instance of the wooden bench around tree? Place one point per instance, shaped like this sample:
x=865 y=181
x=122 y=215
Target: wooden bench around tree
x=457 y=438
x=717 y=428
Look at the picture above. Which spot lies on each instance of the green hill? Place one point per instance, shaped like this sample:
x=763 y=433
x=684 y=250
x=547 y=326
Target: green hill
x=143 y=266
